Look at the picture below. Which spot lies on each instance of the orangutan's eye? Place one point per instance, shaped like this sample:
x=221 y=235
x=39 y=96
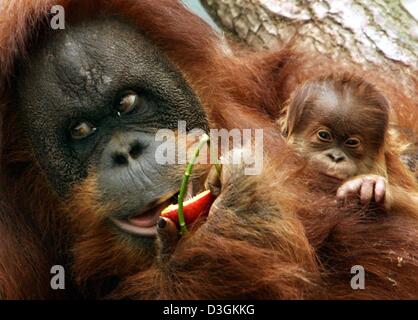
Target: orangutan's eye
x=128 y=103
x=352 y=142
x=82 y=130
x=324 y=135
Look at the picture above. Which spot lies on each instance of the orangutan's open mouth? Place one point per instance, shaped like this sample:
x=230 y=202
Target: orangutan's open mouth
x=145 y=223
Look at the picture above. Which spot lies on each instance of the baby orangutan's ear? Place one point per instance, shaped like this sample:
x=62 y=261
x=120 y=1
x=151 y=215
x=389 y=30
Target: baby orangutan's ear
x=293 y=110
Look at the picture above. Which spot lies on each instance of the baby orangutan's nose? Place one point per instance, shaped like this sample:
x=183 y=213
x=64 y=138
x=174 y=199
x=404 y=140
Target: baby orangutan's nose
x=336 y=156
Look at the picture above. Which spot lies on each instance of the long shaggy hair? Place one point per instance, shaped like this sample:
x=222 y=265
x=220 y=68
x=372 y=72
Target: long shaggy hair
x=277 y=235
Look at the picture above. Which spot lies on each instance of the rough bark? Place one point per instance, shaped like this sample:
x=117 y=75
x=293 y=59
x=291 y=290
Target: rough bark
x=382 y=33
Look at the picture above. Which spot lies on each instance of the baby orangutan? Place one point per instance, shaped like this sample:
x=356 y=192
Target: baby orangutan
x=339 y=123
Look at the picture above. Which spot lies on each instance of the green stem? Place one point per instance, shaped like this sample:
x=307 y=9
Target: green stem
x=215 y=162
x=183 y=188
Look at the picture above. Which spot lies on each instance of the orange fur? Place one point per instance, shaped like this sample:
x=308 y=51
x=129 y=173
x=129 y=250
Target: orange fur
x=279 y=235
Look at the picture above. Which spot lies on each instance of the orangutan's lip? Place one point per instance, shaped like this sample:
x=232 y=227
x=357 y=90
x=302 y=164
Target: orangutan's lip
x=130 y=228
x=333 y=178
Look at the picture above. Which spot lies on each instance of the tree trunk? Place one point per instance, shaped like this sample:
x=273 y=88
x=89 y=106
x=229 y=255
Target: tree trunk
x=377 y=33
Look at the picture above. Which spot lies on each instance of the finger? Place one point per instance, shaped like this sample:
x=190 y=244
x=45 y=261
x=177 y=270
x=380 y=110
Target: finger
x=366 y=192
x=348 y=188
x=380 y=190
x=168 y=237
x=213 y=181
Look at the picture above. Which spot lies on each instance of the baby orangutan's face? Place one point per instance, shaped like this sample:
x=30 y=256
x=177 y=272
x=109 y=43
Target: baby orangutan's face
x=331 y=155
x=339 y=125
x=340 y=135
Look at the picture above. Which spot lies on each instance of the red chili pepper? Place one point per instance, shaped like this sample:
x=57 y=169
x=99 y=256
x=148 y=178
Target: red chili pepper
x=192 y=208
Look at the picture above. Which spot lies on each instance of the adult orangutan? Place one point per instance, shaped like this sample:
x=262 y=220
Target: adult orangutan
x=81 y=187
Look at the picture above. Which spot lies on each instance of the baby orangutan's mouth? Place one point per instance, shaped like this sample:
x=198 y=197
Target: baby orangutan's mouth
x=145 y=223
x=333 y=178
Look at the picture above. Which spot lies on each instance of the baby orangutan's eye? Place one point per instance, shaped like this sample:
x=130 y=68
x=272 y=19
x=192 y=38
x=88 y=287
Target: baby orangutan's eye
x=352 y=142
x=324 y=135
